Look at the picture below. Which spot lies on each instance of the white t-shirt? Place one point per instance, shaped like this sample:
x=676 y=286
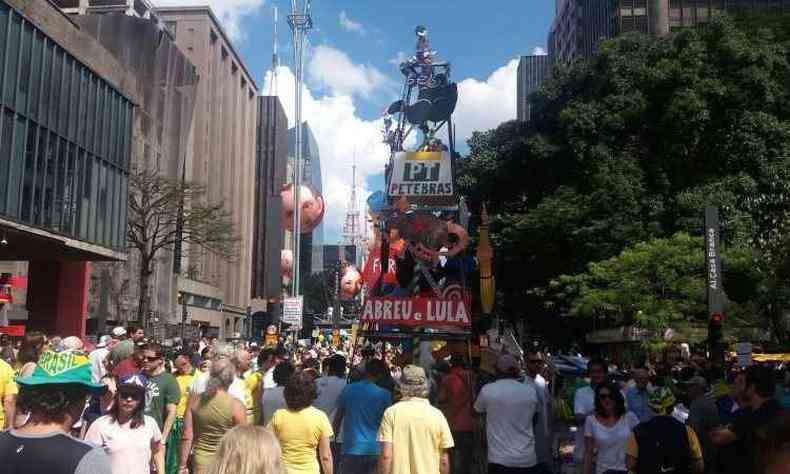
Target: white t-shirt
x=610 y=441
x=273 y=399
x=543 y=434
x=97 y=363
x=129 y=449
x=509 y=406
x=268 y=379
x=583 y=405
x=236 y=389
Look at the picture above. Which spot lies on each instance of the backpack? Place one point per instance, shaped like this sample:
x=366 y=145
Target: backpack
x=663 y=447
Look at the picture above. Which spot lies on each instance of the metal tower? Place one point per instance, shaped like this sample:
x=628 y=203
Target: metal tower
x=352 y=231
x=275 y=57
x=300 y=22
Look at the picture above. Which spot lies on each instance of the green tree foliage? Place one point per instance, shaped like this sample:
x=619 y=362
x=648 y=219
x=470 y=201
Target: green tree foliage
x=631 y=146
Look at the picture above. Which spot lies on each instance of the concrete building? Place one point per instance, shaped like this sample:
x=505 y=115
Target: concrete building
x=137 y=8
x=221 y=155
x=532 y=71
x=269 y=233
x=66 y=120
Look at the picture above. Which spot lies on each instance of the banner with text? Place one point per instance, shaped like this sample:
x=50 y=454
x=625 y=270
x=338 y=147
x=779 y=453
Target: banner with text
x=412 y=312
x=422 y=173
x=292 y=311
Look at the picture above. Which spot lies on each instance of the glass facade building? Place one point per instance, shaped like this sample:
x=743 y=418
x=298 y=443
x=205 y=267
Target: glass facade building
x=532 y=71
x=65 y=138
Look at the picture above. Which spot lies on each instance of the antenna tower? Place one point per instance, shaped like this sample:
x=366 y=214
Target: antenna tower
x=351 y=229
x=275 y=58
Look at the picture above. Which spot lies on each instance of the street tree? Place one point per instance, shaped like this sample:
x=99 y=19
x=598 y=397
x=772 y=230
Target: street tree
x=164 y=212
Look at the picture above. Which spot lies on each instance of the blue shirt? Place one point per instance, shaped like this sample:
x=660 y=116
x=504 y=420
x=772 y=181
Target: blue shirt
x=636 y=401
x=363 y=405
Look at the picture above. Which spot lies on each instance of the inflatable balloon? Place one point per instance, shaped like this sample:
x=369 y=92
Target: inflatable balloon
x=350 y=283
x=286 y=265
x=311 y=205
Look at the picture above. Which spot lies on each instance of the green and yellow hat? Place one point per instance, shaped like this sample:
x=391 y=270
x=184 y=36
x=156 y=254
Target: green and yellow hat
x=662 y=401
x=60 y=368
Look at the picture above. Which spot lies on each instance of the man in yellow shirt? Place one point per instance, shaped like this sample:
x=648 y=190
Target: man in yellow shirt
x=252 y=384
x=8 y=391
x=415 y=437
x=663 y=444
x=185 y=374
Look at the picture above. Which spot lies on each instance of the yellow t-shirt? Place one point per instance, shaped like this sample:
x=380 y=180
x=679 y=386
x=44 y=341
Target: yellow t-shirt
x=299 y=433
x=252 y=399
x=632 y=448
x=418 y=433
x=184 y=381
x=7 y=387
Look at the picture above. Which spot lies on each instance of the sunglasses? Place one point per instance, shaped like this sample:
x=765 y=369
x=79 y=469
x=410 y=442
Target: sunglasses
x=152 y=359
x=128 y=396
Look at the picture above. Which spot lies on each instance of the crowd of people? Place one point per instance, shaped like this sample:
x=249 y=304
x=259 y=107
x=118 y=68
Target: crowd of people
x=130 y=406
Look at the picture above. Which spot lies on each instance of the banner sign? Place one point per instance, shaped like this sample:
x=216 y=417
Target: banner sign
x=292 y=311
x=14 y=331
x=422 y=173
x=713 y=261
x=418 y=311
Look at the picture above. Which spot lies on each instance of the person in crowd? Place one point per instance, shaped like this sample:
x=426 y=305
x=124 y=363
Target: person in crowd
x=248 y=449
x=273 y=399
x=125 y=359
x=360 y=409
x=8 y=355
x=55 y=395
x=33 y=345
x=98 y=358
x=330 y=386
x=131 y=439
x=731 y=402
x=210 y=416
x=251 y=383
x=268 y=359
x=584 y=406
x=736 y=442
x=8 y=394
x=162 y=400
x=543 y=426
x=663 y=444
x=703 y=417
x=455 y=400
x=773 y=446
x=415 y=437
x=185 y=374
x=509 y=407
x=637 y=397
x=606 y=432
x=136 y=334
x=72 y=344
x=119 y=333
x=304 y=431
x=216 y=352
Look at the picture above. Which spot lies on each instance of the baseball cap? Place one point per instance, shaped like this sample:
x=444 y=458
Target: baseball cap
x=103 y=341
x=661 y=401
x=118 y=331
x=61 y=368
x=413 y=375
x=137 y=381
x=72 y=343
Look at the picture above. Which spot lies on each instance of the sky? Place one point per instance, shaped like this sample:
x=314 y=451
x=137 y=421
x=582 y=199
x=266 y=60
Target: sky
x=352 y=75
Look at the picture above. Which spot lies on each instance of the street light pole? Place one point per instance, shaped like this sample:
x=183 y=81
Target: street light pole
x=300 y=22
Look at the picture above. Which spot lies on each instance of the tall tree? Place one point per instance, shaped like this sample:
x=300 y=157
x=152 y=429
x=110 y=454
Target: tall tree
x=165 y=211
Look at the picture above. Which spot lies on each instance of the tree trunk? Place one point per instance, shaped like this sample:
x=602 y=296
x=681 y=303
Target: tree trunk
x=144 y=301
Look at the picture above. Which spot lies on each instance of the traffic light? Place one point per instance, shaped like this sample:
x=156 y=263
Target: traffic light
x=714 y=328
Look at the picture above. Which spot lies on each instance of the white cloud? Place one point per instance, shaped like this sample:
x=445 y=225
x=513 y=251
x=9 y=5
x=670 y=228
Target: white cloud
x=350 y=25
x=229 y=12
x=538 y=51
x=341 y=134
x=483 y=105
x=332 y=69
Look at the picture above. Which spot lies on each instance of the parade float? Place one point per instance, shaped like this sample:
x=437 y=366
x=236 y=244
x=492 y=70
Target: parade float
x=418 y=271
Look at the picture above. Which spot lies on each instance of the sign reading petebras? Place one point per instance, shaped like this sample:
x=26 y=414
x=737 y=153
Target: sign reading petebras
x=418 y=312
x=423 y=173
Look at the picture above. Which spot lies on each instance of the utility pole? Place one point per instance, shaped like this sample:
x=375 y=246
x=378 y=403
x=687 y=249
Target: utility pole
x=300 y=22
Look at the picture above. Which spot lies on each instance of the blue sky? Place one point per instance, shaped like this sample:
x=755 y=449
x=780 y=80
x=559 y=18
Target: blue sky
x=352 y=74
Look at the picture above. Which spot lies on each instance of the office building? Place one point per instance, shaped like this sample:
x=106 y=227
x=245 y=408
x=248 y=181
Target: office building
x=222 y=157
x=532 y=71
x=66 y=120
x=269 y=233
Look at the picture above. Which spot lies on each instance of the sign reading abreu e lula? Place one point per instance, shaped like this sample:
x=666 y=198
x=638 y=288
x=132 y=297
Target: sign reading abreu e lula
x=421 y=173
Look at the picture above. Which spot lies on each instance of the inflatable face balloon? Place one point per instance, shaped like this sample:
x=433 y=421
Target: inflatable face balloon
x=286 y=265
x=350 y=283
x=311 y=207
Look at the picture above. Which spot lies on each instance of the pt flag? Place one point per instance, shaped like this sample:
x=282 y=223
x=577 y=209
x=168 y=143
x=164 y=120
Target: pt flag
x=414 y=312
